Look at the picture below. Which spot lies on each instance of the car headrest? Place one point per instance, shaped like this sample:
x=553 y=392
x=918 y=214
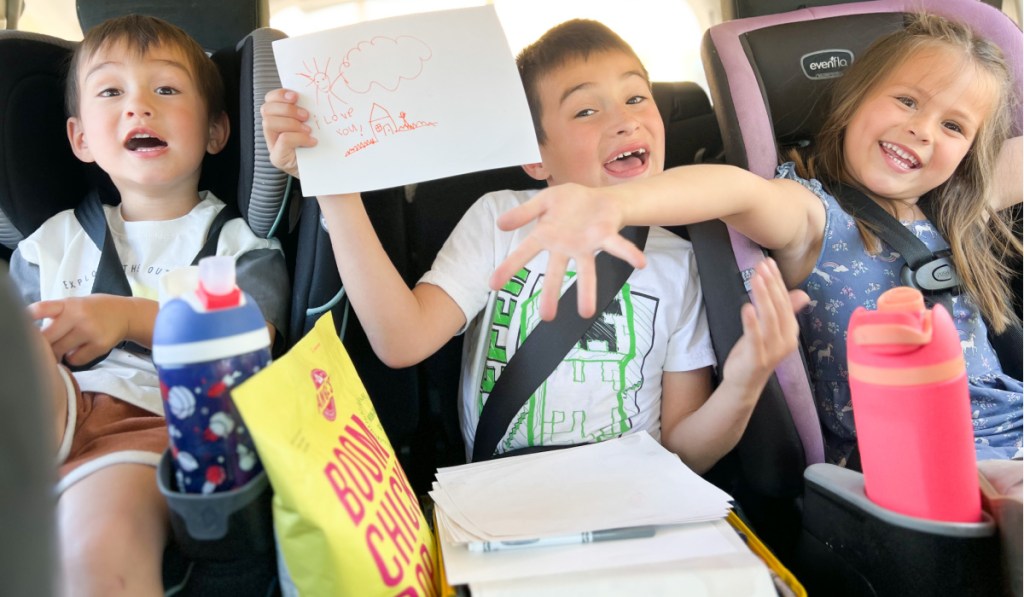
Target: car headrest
x=768 y=75
x=691 y=130
x=742 y=9
x=215 y=25
x=41 y=176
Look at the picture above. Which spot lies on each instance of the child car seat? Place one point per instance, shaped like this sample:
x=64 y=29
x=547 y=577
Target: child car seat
x=768 y=98
x=42 y=176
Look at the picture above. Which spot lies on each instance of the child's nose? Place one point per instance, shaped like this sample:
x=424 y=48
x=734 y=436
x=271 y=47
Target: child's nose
x=921 y=127
x=138 y=107
x=626 y=123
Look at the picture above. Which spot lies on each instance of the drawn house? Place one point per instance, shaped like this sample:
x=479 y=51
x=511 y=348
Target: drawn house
x=381 y=121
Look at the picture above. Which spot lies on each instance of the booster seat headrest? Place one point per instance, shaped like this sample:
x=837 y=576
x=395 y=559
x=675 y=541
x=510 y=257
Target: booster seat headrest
x=742 y=9
x=769 y=74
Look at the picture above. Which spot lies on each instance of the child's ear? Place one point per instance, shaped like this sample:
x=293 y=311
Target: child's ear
x=537 y=171
x=220 y=130
x=79 y=145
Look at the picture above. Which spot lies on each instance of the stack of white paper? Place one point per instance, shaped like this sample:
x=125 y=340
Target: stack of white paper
x=623 y=483
x=630 y=481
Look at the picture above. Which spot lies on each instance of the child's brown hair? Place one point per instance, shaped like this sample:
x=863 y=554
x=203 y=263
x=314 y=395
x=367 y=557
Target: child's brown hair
x=571 y=40
x=139 y=33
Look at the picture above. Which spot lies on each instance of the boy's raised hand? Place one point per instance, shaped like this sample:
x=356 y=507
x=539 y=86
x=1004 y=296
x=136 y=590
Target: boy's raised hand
x=573 y=222
x=770 y=329
x=284 y=129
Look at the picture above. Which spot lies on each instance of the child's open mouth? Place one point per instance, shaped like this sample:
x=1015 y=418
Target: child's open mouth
x=627 y=161
x=901 y=158
x=144 y=142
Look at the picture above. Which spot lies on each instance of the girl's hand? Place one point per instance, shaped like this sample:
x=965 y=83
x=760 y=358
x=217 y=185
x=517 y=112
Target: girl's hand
x=83 y=328
x=572 y=223
x=770 y=329
x=284 y=129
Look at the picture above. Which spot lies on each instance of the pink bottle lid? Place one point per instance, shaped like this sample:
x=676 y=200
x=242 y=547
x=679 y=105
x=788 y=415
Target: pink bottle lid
x=903 y=326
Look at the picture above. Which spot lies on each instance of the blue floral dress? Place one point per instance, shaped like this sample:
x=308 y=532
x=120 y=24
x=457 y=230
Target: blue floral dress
x=847 y=276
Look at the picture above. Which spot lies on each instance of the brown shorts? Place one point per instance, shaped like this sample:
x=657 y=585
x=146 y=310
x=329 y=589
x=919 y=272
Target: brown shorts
x=109 y=431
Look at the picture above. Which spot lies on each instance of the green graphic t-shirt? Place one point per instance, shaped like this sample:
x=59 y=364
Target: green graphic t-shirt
x=609 y=383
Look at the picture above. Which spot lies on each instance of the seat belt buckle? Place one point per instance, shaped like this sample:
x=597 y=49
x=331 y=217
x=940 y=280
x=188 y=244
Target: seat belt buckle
x=932 y=276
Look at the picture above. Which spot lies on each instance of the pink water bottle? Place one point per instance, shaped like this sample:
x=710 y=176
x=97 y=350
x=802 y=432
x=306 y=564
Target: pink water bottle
x=912 y=409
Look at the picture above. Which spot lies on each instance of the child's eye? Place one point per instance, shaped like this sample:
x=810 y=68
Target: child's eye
x=956 y=128
x=636 y=99
x=166 y=91
x=906 y=101
x=110 y=92
x=585 y=112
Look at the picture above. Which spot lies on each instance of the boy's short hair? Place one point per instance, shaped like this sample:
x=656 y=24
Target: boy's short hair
x=139 y=33
x=572 y=40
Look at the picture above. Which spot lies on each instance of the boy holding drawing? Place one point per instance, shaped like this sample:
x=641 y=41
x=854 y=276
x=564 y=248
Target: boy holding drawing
x=597 y=125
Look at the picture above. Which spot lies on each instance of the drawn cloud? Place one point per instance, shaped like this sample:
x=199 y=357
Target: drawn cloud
x=385 y=62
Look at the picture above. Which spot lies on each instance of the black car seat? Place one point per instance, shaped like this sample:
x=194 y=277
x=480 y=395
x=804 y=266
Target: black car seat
x=767 y=100
x=41 y=176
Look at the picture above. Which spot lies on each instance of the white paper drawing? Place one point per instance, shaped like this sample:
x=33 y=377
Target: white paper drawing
x=407 y=99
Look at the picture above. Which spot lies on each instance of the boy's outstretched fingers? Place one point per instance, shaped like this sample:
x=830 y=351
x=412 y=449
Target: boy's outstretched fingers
x=572 y=222
x=516 y=259
x=781 y=325
x=770 y=329
x=521 y=215
x=552 y=288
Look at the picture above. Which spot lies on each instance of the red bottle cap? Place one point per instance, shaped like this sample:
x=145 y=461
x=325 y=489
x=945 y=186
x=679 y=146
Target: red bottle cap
x=217 y=289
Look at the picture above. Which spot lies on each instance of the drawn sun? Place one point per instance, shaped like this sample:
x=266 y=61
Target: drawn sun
x=322 y=81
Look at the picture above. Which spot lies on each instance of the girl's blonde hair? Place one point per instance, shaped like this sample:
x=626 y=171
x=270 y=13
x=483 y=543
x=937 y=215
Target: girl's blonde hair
x=980 y=239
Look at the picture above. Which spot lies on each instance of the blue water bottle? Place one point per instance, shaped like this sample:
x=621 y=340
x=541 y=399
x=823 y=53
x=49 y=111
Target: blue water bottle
x=206 y=341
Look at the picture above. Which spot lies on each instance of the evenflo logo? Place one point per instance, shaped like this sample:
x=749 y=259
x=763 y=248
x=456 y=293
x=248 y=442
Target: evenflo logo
x=826 y=64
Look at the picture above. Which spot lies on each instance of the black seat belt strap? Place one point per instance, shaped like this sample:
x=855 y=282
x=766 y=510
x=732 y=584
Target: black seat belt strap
x=931 y=273
x=110 y=275
x=213 y=234
x=545 y=347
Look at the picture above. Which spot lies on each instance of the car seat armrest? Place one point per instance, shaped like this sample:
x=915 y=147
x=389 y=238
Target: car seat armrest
x=845 y=488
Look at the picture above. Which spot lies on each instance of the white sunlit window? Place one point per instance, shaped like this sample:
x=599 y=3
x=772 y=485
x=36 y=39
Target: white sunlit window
x=665 y=34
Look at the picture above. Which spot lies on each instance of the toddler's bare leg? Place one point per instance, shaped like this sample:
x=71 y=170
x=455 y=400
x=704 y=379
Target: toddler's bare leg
x=113 y=526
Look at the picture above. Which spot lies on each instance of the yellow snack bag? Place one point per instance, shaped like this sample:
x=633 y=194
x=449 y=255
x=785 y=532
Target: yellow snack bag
x=346 y=518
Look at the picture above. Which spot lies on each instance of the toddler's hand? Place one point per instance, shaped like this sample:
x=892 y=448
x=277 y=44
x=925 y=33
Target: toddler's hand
x=82 y=328
x=284 y=129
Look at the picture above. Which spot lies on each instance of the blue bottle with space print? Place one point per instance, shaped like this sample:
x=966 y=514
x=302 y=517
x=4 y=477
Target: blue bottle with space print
x=206 y=342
